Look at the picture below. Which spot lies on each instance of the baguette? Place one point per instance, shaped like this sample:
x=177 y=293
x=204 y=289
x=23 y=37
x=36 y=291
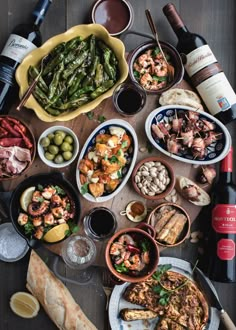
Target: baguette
x=55 y=297
x=192 y=192
x=128 y=314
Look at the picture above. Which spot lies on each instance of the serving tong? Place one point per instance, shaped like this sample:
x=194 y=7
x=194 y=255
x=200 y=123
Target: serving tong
x=170 y=68
x=33 y=83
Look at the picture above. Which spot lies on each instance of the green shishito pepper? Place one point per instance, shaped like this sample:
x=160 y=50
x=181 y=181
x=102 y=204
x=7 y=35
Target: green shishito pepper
x=78 y=71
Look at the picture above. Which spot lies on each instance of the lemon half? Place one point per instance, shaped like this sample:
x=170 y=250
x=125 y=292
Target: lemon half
x=56 y=234
x=24 y=304
x=26 y=198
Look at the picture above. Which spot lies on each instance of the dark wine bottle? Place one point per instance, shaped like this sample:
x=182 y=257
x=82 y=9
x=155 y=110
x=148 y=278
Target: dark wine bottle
x=222 y=236
x=203 y=69
x=23 y=39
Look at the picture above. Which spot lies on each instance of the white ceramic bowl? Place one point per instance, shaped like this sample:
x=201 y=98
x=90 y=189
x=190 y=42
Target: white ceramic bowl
x=215 y=152
x=127 y=169
x=41 y=150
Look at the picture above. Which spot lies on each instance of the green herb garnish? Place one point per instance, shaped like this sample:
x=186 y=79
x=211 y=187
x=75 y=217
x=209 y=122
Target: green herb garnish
x=121 y=268
x=60 y=191
x=124 y=144
x=136 y=74
x=84 y=188
x=29 y=228
x=90 y=115
x=40 y=187
x=114 y=159
x=101 y=118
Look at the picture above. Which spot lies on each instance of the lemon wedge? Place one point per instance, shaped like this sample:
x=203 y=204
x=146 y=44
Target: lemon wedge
x=26 y=198
x=24 y=304
x=56 y=234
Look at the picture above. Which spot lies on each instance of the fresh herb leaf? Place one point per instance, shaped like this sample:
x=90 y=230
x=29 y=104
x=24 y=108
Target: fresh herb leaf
x=114 y=159
x=121 y=268
x=145 y=245
x=40 y=187
x=101 y=118
x=84 y=188
x=119 y=174
x=59 y=190
x=155 y=51
x=29 y=228
x=160 y=271
x=124 y=144
x=119 y=152
x=75 y=229
x=136 y=74
x=67 y=207
x=40 y=199
x=90 y=115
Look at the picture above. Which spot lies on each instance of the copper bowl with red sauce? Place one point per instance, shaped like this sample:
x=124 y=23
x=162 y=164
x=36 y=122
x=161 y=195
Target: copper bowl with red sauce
x=126 y=256
x=17 y=147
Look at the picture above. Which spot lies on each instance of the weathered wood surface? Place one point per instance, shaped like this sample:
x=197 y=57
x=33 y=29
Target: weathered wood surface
x=215 y=20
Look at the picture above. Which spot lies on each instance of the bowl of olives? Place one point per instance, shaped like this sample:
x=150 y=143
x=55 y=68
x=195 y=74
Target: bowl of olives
x=58 y=146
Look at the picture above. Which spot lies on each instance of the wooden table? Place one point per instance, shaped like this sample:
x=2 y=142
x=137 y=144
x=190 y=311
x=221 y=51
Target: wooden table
x=215 y=21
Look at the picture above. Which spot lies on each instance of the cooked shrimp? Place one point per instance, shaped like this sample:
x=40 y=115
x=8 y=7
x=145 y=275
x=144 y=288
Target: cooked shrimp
x=146 y=80
x=48 y=219
x=145 y=257
x=22 y=219
x=56 y=199
x=134 y=263
x=37 y=221
x=57 y=211
x=160 y=69
x=145 y=60
x=37 y=196
x=116 y=248
x=39 y=233
x=48 y=192
x=126 y=239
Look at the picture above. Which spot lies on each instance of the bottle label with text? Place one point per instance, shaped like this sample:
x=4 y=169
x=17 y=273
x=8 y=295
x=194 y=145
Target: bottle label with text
x=224 y=218
x=17 y=48
x=217 y=93
x=199 y=59
x=226 y=249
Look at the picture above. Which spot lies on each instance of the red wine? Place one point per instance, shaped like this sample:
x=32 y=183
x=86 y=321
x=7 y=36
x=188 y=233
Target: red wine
x=203 y=69
x=222 y=237
x=23 y=39
x=100 y=223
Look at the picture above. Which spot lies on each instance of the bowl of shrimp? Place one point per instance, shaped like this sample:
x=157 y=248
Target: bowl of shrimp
x=188 y=135
x=149 y=69
x=132 y=254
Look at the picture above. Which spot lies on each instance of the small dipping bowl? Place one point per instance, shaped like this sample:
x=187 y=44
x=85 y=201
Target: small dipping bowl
x=129 y=98
x=78 y=252
x=135 y=211
x=100 y=223
x=115 y=15
x=157 y=222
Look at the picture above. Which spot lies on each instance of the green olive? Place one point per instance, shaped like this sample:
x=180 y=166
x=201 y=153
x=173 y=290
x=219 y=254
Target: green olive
x=58 y=159
x=62 y=133
x=71 y=148
x=67 y=155
x=53 y=149
x=45 y=142
x=50 y=136
x=65 y=146
x=69 y=139
x=58 y=139
x=49 y=156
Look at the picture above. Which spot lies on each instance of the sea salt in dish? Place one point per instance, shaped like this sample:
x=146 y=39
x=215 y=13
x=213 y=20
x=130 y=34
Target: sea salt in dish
x=78 y=252
x=12 y=246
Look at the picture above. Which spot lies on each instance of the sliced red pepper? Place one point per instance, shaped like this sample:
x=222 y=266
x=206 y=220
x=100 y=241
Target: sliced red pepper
x=133 y=249
x=24 y=137
x=11 y=142
x=5 y=124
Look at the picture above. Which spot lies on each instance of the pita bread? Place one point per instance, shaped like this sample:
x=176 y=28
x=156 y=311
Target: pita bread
x=181 y=97
x=55 y=297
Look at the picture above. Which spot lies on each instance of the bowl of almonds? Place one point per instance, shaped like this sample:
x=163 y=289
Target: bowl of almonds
x=153 y=178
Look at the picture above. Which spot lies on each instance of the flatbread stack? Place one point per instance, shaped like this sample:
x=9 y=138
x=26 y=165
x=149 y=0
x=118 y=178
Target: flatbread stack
x=55 y=297
x=181 y=97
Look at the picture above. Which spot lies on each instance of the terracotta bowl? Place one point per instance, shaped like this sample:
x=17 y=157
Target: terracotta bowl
x=139 y=234
x=30 y=136
x=174 y=58
x=184 y=234
x=138 y=168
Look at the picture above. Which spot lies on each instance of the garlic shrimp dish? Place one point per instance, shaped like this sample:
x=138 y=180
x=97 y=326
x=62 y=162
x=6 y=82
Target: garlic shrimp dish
x=150 y=69
x=130 y=254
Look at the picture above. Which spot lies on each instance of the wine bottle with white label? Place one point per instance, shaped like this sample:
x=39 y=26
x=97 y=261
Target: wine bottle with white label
x=203 y=69
x=222 y=236
x=23 y=39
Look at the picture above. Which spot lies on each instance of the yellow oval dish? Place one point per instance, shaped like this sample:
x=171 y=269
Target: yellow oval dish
x=36 y=55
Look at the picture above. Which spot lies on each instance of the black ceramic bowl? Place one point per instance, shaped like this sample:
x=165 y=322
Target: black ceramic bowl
x=56 y=179
x=175 y=60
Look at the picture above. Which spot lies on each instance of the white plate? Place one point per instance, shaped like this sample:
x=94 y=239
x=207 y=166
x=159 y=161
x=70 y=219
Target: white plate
x=117 y=302
x=215 y=152
x=127 y=170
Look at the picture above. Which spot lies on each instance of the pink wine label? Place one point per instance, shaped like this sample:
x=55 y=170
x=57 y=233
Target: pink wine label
x=226 y=249
x=224 y=218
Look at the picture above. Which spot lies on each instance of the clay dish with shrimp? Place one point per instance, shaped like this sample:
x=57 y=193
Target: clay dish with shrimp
x=187 y=134
x=149 y=69
x=132 y=254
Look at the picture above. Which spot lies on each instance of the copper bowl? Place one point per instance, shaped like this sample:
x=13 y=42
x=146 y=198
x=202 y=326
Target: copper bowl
x=29 y=134
x=154 y=257
x=169 y=186
x=184 y=233
x=175 y=61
